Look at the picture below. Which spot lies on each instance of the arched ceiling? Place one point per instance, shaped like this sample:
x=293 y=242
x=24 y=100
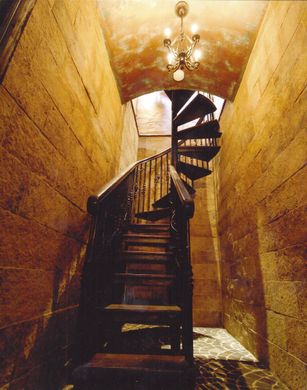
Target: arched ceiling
x=134 y=33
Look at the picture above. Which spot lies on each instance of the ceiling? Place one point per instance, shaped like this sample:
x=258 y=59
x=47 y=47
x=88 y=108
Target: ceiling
x=134 y=33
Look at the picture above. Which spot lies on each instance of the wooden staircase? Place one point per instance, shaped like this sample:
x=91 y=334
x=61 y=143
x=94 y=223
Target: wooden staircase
x=138 y=268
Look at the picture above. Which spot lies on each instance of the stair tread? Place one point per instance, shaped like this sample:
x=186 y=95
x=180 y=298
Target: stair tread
x=149 y=261
x=144 y=276
x=130 y=361
x=198 y=107
x=204 y=130
x=148 y=225
x=143 y=308
x=163 y=202
x=146 y=253
x=181 y=96
x=192 y=171
x=205 y=153
x=144 y=235
x=154 y=215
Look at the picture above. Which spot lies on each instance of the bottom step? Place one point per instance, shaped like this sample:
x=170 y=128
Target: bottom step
x=131 y=371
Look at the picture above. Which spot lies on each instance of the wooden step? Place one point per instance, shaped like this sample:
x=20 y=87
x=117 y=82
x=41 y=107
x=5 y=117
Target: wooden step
x=139 y=371
x=154 y=215
x=191 y=171
x=179 y=98
x=190 y=189
x=149 y=236
x=161 y=310
x=204 y=153
x=199 y=107
x=208 y=129
x=149 y=227
x=131 y=255
x=163 y=202
x=146 y=267
x=147 y=242
x=145 y=279
x=143 y=314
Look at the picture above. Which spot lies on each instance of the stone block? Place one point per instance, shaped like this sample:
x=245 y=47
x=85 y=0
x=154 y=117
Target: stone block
x=205 y=271
x=10 y=346
x=14 y=181
x=289 y=369
x=25 y=294
x=276 y=329
x=38 y=247
x=46 y=206
x=206 y=318
x=282 y=297
x=296 y=332
x=276 y=234
x=284 y=264
x=289 y=196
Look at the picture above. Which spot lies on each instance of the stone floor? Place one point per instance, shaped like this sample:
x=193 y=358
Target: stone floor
x=221 y=361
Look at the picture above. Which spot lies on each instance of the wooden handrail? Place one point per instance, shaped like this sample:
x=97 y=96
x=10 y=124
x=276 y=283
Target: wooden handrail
x=185 y=198
x=116 y=181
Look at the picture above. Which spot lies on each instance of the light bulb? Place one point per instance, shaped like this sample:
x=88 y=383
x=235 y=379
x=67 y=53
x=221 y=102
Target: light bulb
x=197 y=55
x=167 y=32
x=194 y=28
x=178 y=75
x=170 y=58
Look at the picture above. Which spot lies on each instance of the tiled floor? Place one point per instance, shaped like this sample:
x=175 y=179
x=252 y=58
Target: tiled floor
x=221 y=361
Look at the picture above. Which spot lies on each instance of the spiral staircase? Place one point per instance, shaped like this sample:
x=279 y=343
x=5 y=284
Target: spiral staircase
x=138 y=268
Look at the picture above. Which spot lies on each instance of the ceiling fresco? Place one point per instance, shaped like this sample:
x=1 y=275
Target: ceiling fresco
x=134 y=33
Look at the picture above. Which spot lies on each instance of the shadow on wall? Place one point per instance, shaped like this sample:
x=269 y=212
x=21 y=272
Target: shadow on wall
x=207 y=305
x=242 y=282
x=38 y=351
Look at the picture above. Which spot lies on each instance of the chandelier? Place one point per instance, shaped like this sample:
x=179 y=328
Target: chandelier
x=181 y=50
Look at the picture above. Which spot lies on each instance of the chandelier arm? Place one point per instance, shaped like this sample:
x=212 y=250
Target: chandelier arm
x=191 y=65
x=190 y=50
x=173 y=68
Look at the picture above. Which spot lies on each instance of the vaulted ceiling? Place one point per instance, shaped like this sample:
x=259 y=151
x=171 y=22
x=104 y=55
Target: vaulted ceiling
x=134 y=33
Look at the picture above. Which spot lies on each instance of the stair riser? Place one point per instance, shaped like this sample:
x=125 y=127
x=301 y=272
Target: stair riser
x=149 y=228
x=142 y=318
x=146 y=282
x=146 y=268
x=160 y=232
x=161 y=241
x=150 y=247
x=147 y=237
x=147 y=295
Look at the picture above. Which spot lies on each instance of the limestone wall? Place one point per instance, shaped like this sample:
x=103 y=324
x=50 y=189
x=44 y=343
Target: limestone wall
x=60 y=140
x=149 y=146
x=205 y=255
x=262 y=196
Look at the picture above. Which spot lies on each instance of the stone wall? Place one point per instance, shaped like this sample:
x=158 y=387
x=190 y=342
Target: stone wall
x=149 y=146
x=60 y=140
x=262 y=197
x=130 y=139
x=205 y=255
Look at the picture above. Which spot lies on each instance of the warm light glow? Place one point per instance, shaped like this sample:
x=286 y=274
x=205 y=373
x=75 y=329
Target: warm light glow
x=178 y=75
x=167 y=32
x=194 y=28
x=170 y=58
x=197 y=55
